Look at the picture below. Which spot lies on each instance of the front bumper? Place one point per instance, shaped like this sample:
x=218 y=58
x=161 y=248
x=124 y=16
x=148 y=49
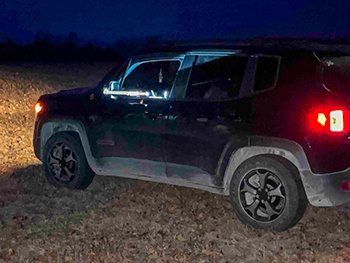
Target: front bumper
x=36 y=146
x=325 y=189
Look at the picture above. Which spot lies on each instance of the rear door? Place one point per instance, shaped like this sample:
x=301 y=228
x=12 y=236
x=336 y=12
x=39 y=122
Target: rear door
x=212 y=111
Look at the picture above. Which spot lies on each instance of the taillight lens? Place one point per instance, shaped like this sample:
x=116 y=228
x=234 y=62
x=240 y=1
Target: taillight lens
x=322 y=119
x=329 y=120
x=339 y=121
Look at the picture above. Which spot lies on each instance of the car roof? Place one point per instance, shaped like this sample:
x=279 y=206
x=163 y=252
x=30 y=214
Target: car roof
x=268 y=46
x=172 y=54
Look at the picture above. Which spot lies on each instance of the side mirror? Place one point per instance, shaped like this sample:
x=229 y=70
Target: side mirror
x=114 y=85
x=113 y=88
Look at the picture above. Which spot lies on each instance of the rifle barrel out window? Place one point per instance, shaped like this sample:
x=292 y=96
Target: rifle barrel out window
x=153 y=78
x=216 y=78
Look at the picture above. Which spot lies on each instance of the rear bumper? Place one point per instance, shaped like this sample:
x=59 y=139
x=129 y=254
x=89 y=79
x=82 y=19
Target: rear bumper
x=325 y=189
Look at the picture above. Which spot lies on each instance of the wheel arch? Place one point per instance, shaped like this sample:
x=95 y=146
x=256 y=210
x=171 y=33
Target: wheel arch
x=73 y=127
x=287 y=152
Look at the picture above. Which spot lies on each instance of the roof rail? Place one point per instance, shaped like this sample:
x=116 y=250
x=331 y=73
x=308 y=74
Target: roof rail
x=258 y=44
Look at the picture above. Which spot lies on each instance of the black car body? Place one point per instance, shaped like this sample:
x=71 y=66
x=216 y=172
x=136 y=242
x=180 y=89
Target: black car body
x=202 y=118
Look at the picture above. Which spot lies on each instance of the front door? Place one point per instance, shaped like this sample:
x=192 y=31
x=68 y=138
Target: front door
x=135 y=109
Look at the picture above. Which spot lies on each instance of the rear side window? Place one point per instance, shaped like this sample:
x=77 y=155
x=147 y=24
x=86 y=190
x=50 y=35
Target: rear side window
x=266 y=73
x=216 y=78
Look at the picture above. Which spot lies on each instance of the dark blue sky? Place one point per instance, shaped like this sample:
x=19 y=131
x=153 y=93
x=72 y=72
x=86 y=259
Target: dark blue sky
x=107 y=21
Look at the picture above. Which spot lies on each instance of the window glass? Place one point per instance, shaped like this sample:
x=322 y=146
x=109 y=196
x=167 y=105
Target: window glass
x=266 y=73
x=153 y=78
x=216 y=78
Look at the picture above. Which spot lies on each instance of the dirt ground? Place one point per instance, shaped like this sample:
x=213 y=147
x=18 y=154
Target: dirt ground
x=122 y=220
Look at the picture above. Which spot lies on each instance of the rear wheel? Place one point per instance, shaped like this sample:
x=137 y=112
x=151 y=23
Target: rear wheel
x=267 y=194
x=65 y=162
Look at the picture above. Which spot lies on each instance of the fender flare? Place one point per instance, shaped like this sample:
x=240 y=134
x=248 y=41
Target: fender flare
x=53 y=127
x=260 y=145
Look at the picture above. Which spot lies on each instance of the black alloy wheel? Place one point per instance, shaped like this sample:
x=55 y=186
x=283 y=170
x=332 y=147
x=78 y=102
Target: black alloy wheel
x=62 y=163
x=65 y=162
x=262 y=195
x=267 y=193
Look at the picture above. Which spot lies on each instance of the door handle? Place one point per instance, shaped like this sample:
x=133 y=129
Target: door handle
x=137 y=104
x=141 y=102
x=202 y=119
x=154 y=116
x=159 y=116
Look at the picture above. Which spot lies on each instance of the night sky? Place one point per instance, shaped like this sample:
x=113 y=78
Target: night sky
x=108 y=21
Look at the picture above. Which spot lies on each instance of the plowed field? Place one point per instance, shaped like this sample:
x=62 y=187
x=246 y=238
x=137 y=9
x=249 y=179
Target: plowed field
x=119 y=220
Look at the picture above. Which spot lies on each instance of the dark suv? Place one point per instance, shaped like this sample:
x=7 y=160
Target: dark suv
x=268 y=128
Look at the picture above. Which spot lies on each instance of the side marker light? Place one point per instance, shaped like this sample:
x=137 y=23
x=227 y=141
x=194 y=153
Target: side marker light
x=38 y=108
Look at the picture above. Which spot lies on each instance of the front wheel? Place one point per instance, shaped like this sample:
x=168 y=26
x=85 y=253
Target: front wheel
x=267 y=194
x=65 y=162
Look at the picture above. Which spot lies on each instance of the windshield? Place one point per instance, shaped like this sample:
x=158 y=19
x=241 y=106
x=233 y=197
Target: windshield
x=336 y=73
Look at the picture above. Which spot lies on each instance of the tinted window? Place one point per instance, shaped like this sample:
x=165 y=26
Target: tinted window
x=216 y=78
x=266 y=73
x=154 y=77
x=336 y=73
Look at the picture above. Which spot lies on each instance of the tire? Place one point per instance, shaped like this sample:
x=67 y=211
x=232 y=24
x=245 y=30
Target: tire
x=65 y=162
x=266 y=193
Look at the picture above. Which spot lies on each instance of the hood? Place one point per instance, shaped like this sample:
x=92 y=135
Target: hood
x=67 y=102
x=78 y=91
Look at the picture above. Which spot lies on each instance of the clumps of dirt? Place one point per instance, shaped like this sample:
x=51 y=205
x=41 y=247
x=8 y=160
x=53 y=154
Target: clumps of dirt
x=120 y=220
x=28 y=198
x=133 y=221
x=168 y=222
x=10 y=189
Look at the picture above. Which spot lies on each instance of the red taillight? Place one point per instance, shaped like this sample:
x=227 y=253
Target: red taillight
x=329 y=120
x=339 y=121
x=322 y=119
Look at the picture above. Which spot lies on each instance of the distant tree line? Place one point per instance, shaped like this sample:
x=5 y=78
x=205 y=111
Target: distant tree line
x=51 y=48
x=54 y=48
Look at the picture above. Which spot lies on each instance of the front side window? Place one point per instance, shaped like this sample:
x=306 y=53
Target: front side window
x=151 y=79
x=216 y=78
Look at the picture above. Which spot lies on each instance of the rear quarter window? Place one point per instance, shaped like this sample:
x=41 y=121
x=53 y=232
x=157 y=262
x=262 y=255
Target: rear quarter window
x=216 y=78
x=266 y=73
